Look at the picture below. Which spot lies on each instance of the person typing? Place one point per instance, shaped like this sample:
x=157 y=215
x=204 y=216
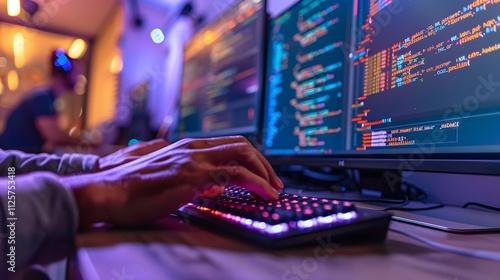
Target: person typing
x=57 y=196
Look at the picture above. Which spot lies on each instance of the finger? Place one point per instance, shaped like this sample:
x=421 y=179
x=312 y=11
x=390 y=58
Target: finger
x=254 y=195
x=145 y=148
x=253 y=156
x=204 y=143
x=154 y=166
x=241 y=176
x=235 y=154
x=214 y=191
x=256 y=155
x=161 y=153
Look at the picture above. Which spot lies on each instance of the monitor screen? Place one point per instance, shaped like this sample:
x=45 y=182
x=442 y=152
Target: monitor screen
x=221 y=88
x=391 y=81
x=426 y=77
x=306 y=87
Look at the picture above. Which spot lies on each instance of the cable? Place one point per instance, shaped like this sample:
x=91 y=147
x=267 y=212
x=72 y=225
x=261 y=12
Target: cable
x=314 y=178
x=481 y=205
x=413 y=192
x=410 y=190
x=491 y=255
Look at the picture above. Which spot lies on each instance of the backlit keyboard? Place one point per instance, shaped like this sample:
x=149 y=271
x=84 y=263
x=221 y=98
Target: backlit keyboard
x=291 y=220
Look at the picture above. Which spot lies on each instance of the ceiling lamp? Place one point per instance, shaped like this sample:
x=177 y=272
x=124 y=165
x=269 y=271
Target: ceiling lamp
x=13 y=8
x=77 y=49
x=157 y=36
x=12 y=80
x=116 y=65
x=18 y=44
x=1 y=86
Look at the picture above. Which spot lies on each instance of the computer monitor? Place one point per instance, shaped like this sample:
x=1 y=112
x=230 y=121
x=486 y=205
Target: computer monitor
x=306 y=87
x=425 y=84
x=222 y=77
x=417 y=87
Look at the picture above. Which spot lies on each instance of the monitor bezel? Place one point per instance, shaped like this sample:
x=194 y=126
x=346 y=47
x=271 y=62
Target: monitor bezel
x=440 y=163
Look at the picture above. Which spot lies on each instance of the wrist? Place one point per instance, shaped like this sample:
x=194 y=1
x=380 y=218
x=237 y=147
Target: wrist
x=91 y=199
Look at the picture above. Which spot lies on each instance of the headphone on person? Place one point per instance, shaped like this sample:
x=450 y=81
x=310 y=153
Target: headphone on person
x=61 y=63
x=62 y=66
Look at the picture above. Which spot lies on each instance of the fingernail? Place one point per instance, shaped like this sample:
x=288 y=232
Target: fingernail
x=280 y=183
x=276 y=195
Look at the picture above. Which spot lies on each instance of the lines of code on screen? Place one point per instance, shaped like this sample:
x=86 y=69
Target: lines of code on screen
x=306 y=79
x=222 y=77
x=426 y=72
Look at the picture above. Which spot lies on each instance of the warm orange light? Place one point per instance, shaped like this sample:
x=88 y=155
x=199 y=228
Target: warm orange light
x=13 y=8
x=77 y=49
x=3 y=61
x=208 y=38
x=64 y=121
x=74 y=132
x=116 y=65
x=12 y=80
x=18 y=44
x=1 y=87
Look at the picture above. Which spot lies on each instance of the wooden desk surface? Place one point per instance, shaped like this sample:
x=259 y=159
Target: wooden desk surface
x=178 y=251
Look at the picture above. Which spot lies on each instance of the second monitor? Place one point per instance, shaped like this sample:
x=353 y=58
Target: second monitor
x=307 y=74
x=222 y=77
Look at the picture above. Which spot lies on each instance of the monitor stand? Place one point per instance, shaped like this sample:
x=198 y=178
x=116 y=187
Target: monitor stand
x=388 y=183
x=446 y=218
x=374 y=185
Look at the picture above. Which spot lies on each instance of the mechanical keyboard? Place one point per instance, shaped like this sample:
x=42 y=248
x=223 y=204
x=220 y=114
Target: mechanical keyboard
x=288 y=221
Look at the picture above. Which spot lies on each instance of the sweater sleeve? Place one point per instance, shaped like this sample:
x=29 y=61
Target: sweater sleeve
x=39 y=219
x=67 y=164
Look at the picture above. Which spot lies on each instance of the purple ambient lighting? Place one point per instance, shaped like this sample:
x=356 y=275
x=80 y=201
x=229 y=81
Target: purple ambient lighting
x=283 y=227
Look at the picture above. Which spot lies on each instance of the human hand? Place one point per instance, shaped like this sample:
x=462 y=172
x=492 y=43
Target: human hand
x=158 y=183
x=129 y=154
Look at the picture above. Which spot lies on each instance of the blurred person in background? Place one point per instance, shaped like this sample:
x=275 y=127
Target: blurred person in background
x=33 y=124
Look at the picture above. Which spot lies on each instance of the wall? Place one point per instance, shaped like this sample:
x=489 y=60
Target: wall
x=214 y=8
x=164 y=96
x=275 y=7
x=143 y=60
x=103 y=85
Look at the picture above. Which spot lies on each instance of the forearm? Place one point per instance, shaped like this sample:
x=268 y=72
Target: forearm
x=64 y=165
x=39 y=219
x=93 y=197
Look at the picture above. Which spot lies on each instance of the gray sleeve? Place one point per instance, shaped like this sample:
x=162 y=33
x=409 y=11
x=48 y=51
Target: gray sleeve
x=39 y=219
x=67 y=164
